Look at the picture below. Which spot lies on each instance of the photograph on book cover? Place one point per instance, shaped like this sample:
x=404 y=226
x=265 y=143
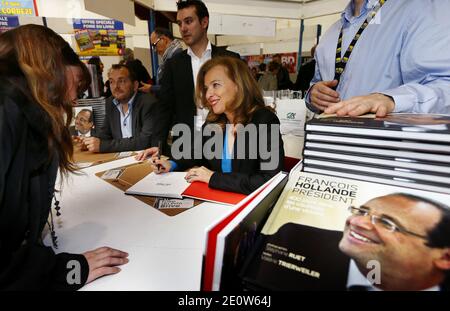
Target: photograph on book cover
x=83 y=115
x=328 y=233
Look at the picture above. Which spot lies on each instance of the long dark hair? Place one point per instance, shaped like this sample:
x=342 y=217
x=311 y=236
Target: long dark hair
x=41 y=57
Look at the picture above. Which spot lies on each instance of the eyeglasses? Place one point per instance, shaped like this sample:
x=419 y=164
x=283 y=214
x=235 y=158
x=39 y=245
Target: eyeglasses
x=382 y=221
x=154 y=44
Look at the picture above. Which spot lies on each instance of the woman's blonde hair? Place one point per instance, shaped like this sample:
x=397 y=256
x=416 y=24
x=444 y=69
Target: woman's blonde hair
x=248 y=99
x=37 y=59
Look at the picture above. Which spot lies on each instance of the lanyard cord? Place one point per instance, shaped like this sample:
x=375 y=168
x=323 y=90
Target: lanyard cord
x=341 y=62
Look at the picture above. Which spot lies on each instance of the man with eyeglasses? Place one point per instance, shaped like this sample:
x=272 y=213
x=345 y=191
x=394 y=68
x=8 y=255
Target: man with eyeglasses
x=177 y=104
x=408 y=235
x=84 y=124
x=129 y=116
x=166 y=46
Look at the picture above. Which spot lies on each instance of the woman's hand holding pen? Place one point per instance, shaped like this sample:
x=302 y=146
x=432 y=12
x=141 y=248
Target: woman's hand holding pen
x=199 y=174
x=160 y=166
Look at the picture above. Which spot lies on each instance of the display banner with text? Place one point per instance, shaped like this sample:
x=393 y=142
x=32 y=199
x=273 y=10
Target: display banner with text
x=99 y=37
x=288 y=60
x=18 y=7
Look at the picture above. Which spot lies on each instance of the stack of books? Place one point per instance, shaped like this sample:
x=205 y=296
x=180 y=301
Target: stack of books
x=98 y=107
x=410 y=150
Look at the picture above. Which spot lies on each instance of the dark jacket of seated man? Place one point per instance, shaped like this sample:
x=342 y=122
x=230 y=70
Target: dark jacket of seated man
x=248 y=173
x=142 y=122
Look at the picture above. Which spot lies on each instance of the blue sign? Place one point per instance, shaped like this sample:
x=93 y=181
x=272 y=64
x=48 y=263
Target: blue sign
x=97 y=24
x=8 y=22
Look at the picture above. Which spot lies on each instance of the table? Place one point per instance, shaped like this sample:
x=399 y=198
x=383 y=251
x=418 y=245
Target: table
x=165 y=252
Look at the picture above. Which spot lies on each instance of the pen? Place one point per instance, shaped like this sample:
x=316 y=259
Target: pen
x=158 y=166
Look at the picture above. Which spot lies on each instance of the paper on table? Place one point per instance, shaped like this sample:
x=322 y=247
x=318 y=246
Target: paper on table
x=169 y=185
x=125 y=154
x=112 y=174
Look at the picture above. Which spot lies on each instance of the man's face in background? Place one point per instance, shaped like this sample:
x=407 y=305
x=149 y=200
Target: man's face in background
x=192 y=29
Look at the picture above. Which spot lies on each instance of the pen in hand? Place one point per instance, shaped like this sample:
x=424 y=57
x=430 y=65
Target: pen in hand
x=158 y=166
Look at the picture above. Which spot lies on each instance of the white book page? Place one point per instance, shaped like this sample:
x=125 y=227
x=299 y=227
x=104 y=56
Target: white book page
x=170 y=185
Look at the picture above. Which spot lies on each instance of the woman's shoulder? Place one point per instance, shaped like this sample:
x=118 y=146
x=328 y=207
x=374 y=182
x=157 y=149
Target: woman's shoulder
x=16 y=108
x=11 y=116
x=10 y=91
x=264 y=116
x=9 y=98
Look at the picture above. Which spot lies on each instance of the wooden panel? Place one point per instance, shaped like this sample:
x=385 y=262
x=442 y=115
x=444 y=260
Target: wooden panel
x=122 y=10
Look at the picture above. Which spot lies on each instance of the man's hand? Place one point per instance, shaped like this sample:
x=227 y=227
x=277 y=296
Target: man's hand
x=104 y=261
x=92 y=143
x=199 y=174
x=323 y=96
x=379 y=104
x=146 y=88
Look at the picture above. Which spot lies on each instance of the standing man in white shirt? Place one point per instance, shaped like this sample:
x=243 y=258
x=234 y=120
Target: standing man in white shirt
x=177 y=104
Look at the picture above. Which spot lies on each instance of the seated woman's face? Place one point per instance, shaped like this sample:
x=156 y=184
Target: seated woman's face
x=220 y=89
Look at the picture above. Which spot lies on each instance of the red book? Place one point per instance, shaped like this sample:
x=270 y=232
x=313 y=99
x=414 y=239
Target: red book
x=201 y=191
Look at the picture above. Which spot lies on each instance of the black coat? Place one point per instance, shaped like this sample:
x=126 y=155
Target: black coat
x=177 y=91
x=139 y=70
x=143 y=120
x=284 y=81
x=305 y=75
x=27 y=180
x=246 y=175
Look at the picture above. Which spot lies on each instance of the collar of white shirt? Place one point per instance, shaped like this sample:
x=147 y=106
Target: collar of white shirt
x=88 y=134
x=348 y=11
x=204 y=54
x=356 y=278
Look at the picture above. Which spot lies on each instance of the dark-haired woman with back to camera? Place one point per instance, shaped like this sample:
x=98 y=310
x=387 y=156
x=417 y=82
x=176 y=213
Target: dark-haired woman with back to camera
x=40 y=77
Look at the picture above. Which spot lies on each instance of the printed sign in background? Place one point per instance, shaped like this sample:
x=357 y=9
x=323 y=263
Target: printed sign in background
x=8 y=22
x=18 y=7
x=288 y=60
x=99 y=37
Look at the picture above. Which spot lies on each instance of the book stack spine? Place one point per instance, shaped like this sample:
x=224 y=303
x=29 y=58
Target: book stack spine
x=407 y=155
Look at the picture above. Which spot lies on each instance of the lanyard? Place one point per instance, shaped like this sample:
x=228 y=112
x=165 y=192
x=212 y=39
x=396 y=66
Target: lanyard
x=341 y=62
